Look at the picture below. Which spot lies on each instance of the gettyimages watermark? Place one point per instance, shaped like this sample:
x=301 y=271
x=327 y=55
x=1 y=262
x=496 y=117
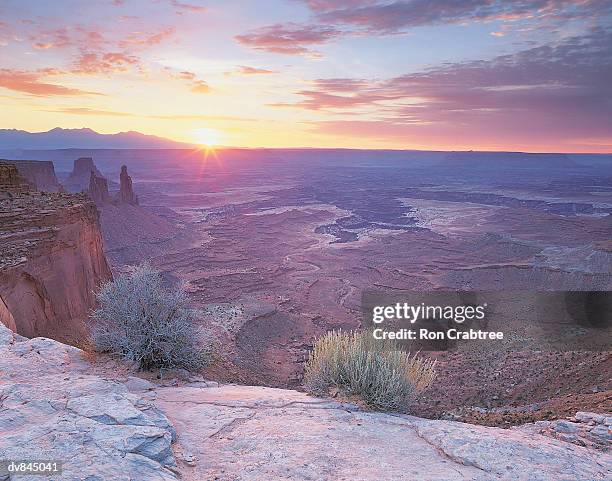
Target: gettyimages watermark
x=441 y=320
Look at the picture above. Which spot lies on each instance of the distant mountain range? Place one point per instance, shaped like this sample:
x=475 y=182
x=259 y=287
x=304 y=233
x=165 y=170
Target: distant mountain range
x=59 y=138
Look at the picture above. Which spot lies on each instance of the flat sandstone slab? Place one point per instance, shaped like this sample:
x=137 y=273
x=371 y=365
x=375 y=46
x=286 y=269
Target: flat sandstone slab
x=257 y=433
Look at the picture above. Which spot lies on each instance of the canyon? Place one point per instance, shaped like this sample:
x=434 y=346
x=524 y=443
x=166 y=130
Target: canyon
x=273 y=265
x=275 y=248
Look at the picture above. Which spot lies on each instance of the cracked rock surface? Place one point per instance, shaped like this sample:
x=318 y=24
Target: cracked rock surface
x=53 y=408
x=55 y=405
x=584 y=429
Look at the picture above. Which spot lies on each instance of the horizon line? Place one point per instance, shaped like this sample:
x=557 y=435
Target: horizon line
x=196 y=146
x=360 y=149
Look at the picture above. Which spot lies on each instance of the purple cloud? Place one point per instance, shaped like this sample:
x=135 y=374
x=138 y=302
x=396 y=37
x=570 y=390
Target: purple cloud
x=394 y=16
x=548 y=91
x=189 y=7
x=290 y=38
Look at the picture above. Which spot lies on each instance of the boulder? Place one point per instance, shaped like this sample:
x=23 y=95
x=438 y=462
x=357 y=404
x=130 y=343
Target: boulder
x=584 y=429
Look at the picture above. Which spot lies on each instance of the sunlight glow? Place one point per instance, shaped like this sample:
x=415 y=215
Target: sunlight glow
x=207 y=137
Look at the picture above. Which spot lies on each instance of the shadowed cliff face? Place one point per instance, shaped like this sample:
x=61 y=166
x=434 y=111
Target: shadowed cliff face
x=50 y=264
x=98 y=189
x=6 y=317
x=39 y=173
x=11 y=180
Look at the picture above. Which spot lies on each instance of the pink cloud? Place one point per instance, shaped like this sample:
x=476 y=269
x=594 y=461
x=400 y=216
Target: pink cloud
x=33 y=83
x=104 y=63
x=320 y=99
x=88 y=111
x=247 y=70
x=195 y=84
x=147 y=39
x=200 y=87
x=92 y=51
x=57 y=38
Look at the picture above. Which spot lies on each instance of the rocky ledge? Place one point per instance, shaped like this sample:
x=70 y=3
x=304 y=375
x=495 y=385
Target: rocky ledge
x=584 y=429
x=56 y=404
x=52 y=408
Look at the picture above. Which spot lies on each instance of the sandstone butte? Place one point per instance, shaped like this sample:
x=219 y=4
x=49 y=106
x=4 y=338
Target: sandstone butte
x=104 y=423
x=78 y=180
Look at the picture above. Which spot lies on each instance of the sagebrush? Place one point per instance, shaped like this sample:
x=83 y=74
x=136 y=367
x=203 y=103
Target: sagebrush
x=141 y=320
x=379 y=372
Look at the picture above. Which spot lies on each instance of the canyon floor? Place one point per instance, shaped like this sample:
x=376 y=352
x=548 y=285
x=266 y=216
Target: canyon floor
x=102 y=422
x=277 y=247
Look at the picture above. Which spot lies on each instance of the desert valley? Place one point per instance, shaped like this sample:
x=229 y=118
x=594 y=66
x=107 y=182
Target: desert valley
x=276 y=246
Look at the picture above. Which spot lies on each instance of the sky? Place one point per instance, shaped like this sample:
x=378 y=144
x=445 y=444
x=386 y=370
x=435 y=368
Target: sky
x=524 y=75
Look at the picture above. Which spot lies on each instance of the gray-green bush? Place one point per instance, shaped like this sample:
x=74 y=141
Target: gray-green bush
x=381 y=374
x=141 y=320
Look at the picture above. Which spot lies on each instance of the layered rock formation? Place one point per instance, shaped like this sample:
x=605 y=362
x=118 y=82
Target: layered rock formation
x=126 y=191
x=51 y=262
x=78 y=180
x=40 y=173
x=104 y=424
x=244 y=432
x=11 y=180
x=98 y=189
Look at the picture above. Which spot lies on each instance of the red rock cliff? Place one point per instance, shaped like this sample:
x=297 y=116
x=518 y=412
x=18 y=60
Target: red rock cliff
x=39 y=173
x=51 y=262
x=11 y=180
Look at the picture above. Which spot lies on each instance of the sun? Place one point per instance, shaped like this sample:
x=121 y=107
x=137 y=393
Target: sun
x=207 y=137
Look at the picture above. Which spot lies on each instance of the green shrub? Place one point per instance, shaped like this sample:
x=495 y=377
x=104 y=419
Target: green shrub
x=379 y=372
x=141 y=320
